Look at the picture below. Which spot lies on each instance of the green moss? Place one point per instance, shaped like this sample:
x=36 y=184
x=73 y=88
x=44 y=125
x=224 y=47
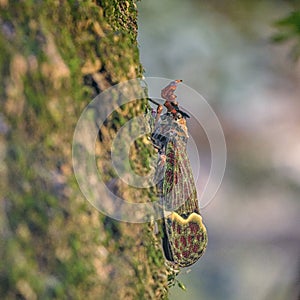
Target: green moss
x=51 y=235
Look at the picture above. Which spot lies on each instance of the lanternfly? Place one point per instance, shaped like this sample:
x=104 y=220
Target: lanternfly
x=185 y=236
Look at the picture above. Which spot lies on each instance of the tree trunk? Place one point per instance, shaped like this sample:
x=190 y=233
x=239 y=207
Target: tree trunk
x=55 y=57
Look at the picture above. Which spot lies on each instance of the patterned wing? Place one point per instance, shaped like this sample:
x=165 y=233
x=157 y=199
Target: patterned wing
x=185 y=233
x=178 y=185
x=187 y=238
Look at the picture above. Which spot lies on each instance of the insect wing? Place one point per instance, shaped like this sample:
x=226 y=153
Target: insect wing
x=187 y=238
x=185 y=232
x=179 y=183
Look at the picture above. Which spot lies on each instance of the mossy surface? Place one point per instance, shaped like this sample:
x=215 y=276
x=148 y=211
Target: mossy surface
x=55 y=57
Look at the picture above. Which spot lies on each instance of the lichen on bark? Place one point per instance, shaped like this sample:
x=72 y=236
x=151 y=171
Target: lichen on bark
x=55 y=57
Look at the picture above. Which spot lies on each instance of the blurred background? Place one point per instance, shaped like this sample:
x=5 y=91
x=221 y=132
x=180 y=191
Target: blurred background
x=225 y=52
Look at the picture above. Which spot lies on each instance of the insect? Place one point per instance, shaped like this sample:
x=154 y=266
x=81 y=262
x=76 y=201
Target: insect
x=185 y=236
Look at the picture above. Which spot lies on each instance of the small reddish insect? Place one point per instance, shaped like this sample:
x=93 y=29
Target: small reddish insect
x=185 y=236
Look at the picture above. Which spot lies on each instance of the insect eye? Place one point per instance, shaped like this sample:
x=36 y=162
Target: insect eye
x=178 y=116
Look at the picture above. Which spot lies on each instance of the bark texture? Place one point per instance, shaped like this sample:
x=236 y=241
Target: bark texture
x=55 y=57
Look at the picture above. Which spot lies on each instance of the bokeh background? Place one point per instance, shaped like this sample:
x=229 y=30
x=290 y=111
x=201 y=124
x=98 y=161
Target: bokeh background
x=224 y=50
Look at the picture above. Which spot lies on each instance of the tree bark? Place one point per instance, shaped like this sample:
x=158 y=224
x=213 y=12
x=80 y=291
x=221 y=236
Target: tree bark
x=55 y=57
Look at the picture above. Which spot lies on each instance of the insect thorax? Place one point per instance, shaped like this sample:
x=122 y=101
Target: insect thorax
x=167 y=128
